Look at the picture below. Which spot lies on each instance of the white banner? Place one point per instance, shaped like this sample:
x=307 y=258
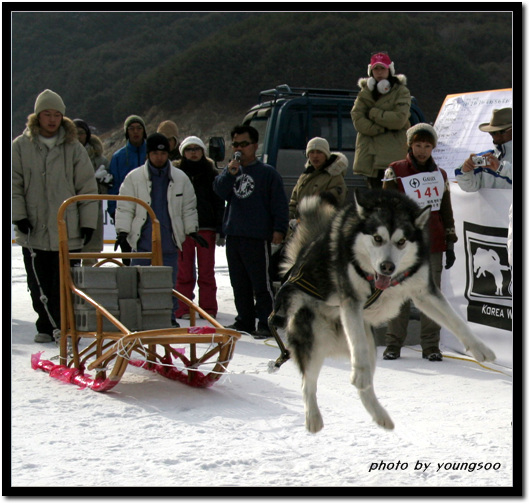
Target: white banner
x=457 y=126
x=479 y=285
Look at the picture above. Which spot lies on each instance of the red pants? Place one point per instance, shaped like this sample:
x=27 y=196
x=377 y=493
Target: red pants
x=187 y=273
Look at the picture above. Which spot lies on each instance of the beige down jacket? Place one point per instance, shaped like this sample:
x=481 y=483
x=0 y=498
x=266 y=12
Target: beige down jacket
x=42 y=180
x=328 y=179
x=182 y=205
x=381 y=127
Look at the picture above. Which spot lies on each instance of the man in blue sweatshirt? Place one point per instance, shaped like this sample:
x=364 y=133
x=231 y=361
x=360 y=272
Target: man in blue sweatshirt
x=256 y=215
x=129 y=157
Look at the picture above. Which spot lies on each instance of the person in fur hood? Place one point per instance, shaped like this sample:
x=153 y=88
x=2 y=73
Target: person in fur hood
x=100 y=163
x=380 y=115
x=49 y=165
x=324 y=173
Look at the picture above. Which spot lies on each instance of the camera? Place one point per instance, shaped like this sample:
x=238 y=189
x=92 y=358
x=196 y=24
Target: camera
x=479 y=160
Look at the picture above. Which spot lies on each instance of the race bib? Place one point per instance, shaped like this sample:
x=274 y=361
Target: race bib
x=425 y=189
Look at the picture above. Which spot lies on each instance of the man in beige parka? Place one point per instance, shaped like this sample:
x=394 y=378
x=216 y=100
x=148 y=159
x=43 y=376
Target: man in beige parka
x=380 y=115
x=49 y=165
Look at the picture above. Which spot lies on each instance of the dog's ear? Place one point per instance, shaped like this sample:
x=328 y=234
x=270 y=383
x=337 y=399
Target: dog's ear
x=358 y=206
x=423 y=217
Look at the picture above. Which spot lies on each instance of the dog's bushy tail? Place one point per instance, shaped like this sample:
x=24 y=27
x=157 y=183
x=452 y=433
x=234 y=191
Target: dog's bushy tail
x=315 y=215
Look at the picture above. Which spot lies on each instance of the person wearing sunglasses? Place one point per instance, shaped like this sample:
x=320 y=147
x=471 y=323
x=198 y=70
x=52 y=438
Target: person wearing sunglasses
x=256 y=216
x=491 y=169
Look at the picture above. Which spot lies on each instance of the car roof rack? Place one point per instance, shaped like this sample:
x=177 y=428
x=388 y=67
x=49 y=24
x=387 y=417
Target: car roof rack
x=284 y=90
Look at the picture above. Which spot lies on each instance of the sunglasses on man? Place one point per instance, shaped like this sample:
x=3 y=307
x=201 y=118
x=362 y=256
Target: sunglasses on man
x=501 y=132
x=242 y=144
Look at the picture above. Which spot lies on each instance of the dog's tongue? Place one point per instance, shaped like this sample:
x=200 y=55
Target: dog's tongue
x=382 y=282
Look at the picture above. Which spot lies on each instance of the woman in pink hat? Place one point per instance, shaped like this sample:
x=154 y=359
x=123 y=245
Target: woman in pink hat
x=380 y=115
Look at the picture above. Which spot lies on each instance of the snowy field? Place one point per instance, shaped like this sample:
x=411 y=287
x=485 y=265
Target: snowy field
x=453 y=425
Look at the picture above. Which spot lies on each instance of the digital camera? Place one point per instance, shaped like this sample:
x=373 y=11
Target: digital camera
x=479 y=160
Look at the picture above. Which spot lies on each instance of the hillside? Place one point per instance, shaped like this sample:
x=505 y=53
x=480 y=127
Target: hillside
x=204 y=69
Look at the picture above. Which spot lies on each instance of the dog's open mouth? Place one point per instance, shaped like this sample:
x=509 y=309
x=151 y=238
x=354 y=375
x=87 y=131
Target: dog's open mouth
x=382 y=282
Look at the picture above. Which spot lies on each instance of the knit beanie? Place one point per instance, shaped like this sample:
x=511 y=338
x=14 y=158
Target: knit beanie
x=191 y=140
x=157 y=142
x=48 y=100
x=320 y=144
x=421 y=127
x=83 y=125
x=169 y=129
x=133 y=119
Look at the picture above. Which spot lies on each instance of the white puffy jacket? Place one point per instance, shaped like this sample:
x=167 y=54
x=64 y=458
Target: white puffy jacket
x=182 y=205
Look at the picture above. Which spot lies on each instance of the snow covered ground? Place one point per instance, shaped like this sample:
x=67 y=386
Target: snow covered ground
x=248 y=429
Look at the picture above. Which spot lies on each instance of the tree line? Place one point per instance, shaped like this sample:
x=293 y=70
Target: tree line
x=109 y=65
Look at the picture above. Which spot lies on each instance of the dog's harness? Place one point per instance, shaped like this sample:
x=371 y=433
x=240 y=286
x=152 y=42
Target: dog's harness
x=301 y=282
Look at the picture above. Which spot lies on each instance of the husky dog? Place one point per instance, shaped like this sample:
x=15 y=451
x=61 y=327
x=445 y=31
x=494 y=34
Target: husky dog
x=348 y=270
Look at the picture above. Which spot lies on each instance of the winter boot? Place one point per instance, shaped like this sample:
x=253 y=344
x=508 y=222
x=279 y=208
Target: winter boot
x=392 y=352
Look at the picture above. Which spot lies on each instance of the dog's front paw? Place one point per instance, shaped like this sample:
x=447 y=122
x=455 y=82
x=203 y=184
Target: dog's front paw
x=314 y=422
x=361 y=378
x=482 y=352
x=383 y=419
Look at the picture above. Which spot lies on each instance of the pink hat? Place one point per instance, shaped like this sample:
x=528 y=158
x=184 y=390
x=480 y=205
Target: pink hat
x=382 y=59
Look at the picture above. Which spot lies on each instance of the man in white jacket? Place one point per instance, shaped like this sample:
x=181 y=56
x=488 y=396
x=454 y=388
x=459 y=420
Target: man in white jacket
x=170 y=194
x=496 y=173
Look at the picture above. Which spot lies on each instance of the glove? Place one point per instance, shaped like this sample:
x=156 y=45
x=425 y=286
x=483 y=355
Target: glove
x=121 y=241
x=86 y=234
x=23 y=225
x=199 y=239
x=101 y=173
x=220 y=240
x=449 y=258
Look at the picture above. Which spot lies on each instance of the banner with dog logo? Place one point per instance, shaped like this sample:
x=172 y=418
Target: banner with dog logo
x=479 y=285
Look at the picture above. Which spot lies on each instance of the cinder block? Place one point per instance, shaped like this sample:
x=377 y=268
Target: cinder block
x=155 y=319
x=127 y=279
x=107 y=298
x=85 y=319
x=155 y=277
x=155 y=299
x=131 y=312
x=86 y=277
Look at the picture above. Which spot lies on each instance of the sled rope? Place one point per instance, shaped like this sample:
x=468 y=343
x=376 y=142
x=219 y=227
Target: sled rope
x=468 y=359
x=122 y=352
x=43 y=298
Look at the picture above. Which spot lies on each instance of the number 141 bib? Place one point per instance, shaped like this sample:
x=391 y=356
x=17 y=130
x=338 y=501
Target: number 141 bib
x=425 y=189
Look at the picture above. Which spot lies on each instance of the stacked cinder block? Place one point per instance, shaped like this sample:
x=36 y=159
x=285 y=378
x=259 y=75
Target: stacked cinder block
x=139 y=296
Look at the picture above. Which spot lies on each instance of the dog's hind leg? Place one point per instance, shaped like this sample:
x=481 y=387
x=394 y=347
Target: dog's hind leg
x=363 y=355
x=436 y=307
x=305 y=351
x=313 y=417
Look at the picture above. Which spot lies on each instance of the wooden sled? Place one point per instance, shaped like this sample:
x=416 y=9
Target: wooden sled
x=196 y=356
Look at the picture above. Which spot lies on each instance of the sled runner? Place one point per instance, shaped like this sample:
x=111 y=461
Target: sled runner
x=196 y=356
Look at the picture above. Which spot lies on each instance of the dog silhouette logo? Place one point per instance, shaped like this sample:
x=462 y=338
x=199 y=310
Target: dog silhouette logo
x=488 y=273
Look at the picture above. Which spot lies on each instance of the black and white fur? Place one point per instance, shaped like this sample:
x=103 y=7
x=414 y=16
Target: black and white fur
x=381 y=241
